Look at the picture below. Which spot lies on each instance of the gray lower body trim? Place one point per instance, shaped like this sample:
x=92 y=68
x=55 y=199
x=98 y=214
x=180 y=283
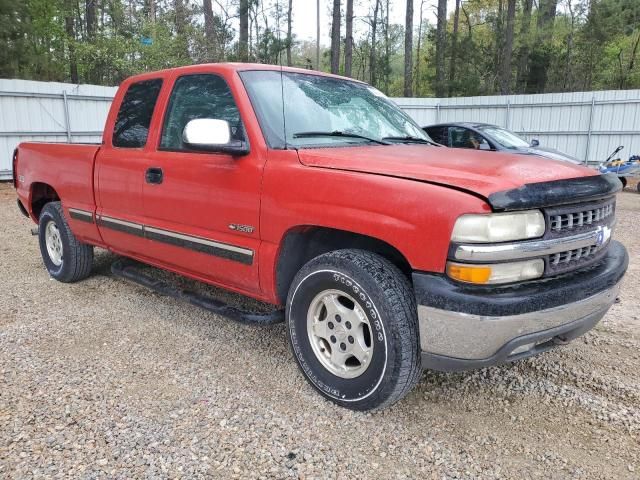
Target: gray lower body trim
x=190 y=242
x=82 y=215
x=202 y=245
x=466 y=336
x=121 y=226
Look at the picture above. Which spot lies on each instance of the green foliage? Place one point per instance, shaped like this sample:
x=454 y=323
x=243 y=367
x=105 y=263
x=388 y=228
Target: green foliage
x=587 y=44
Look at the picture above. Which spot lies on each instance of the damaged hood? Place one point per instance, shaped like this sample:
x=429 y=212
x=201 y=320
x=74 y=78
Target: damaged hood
x=482 y=173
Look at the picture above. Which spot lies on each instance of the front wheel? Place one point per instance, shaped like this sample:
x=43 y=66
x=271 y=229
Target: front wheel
x=353 y=328
x=65 y=257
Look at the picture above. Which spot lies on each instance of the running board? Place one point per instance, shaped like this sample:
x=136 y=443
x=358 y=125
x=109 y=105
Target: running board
x=127 y=269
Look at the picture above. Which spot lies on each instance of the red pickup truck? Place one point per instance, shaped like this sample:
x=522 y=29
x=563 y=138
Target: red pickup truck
x=316 y=193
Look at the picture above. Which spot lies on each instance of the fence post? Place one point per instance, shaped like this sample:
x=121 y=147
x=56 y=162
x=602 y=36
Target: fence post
x=586 y=154
x=67 y=123
x=438 y=112
x=508 y=113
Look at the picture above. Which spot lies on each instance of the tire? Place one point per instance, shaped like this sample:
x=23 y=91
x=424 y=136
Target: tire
x=624 y=182
x=374 y=294
x=65 y=257
x=638 y=187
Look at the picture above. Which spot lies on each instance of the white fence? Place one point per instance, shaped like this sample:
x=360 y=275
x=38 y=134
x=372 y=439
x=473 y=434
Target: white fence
x=587 y=125
x=49 y=112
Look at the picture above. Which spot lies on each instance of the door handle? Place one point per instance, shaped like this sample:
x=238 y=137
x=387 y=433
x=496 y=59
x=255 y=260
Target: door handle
x=153 y=175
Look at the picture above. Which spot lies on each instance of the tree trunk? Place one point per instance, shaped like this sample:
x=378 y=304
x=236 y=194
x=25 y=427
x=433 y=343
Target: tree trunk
x=289 y=36
x=318 y=35
x=441 y=45
x=71 y=37
x=335 y=38
x=372 y=51
x=497 y=51
x=408 y=50
x=243 y=43
x=418 y=48
x=348 y=41
x=568 y=74
x=505 y=74
x=523 y=56
x=540 y=64
x=181 y=27
x=634 y=53
x=150 y=10
x=387 y=59
x=209 y=31
x=90 y=18
x=454 y=47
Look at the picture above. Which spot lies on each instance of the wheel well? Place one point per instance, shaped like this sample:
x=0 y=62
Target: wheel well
x=301 y=244
x=41 y=194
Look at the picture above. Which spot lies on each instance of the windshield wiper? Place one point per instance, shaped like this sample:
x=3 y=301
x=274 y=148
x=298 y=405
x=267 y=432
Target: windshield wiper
x=409 y=138
x=338 y=133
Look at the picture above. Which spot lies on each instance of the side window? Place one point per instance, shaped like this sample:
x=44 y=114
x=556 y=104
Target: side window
x=438 y=134
x=134 y=117
x=460 y=137
x=194 y=97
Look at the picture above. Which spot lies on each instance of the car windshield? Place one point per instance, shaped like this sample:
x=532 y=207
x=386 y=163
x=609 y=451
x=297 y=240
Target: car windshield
x=322 y=111
x=504 y=137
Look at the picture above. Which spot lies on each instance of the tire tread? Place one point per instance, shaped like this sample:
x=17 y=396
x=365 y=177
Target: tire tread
x=401 y=316
x=79 y=258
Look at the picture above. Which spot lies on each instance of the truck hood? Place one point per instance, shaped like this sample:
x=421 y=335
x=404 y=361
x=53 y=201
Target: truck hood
x=482 y=173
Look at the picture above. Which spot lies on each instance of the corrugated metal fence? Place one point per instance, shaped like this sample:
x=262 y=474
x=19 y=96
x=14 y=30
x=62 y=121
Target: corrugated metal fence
x=587 y=125
x=49 y=112
x=584 y=124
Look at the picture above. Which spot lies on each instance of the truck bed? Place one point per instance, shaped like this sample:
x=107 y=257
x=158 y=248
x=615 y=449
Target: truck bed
x=67 y=166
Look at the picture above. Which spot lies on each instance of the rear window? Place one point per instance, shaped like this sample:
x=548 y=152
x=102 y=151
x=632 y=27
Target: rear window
x=134 y=117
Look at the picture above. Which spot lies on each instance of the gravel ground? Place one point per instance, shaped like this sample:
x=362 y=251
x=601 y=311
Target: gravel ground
x=105 y=379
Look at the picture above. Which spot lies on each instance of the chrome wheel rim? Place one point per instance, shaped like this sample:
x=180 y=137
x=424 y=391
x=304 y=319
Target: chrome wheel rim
x=340 y=333
x=53 y=241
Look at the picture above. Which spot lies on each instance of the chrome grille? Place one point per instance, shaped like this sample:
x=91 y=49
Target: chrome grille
x=569 y=220
x=572 y=220
x=569 y=255
x=564 y=262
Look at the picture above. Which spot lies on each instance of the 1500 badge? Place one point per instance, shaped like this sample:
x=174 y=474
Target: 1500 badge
x=241 y=228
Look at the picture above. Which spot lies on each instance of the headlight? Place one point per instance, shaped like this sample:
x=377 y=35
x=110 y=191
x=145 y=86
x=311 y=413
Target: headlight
x=497 y=272
x=498 y=227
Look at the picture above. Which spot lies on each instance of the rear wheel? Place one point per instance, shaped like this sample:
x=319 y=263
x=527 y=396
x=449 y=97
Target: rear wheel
x=64 y=256
x=624 y=182
x=352 y=325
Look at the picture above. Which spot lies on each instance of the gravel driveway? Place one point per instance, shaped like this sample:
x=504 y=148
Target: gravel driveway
x=105 y=379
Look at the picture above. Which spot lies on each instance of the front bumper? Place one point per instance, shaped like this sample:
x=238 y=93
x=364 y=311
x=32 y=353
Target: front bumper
x=464 y=327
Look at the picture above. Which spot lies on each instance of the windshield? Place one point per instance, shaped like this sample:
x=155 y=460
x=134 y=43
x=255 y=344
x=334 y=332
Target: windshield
x=322 y=111
x=504 y=137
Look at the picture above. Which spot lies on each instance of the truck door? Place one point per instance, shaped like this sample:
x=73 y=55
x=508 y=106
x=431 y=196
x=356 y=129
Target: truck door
x=120 y=168
x=202 y=208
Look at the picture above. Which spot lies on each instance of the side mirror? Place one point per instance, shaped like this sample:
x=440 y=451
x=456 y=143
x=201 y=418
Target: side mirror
x=212 y=135
x=535 y=142
x=484 y=146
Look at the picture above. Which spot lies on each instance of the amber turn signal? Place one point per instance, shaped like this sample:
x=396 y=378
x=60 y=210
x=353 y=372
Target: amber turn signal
x=469 y=273
x=497 y=272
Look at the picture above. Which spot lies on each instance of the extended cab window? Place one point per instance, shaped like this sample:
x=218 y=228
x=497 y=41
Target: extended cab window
x=134 y=117
x=194 y=97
